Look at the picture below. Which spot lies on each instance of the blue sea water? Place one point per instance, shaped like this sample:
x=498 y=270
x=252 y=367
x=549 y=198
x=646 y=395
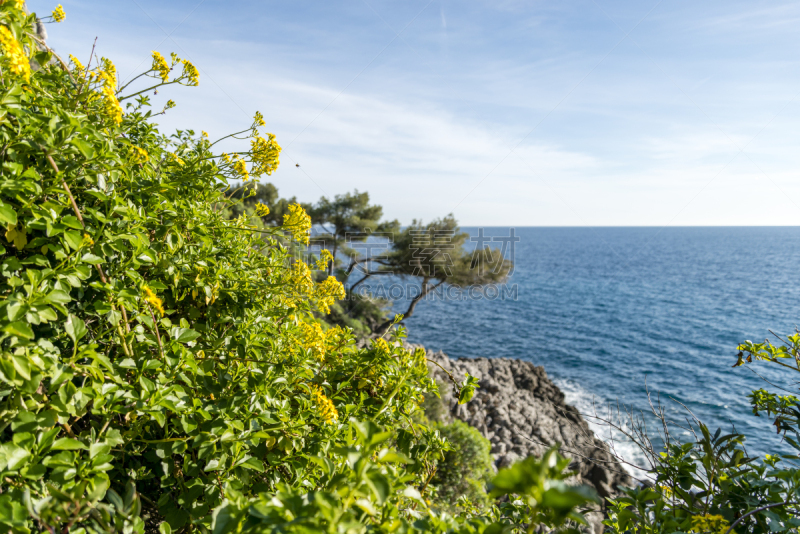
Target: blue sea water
x=613 y=312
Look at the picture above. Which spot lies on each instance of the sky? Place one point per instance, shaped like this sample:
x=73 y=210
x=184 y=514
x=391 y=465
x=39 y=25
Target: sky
x=504 y=113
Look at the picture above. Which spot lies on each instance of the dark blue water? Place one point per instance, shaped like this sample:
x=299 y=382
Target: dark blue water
x=603 y=309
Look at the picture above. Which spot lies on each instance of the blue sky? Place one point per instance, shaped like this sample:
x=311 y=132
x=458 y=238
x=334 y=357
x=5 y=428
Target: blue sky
x=504 y=113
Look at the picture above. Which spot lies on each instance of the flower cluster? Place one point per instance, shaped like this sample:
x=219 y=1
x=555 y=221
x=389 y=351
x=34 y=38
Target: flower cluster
x=58 y=13
x=173 y=158
x=139 y=155
x=336 y=338
x=78 y=65
x=715 y=524
x=160 y=66
x=108 y=77
x=262 y=210
x=151 y=298
x=325 y=406
x=313 y=338
x=325 y=257
x=381 y=346
x=239 y=167
x=298 y=222
x=18 y=4
x=258 y=120
x=191 y=72
x=87 y=241
x=328 y=292
x=300 y=277
x=265 y=155
x=14 y=58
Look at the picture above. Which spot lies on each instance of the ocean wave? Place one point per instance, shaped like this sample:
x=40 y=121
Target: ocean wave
x=588 y=404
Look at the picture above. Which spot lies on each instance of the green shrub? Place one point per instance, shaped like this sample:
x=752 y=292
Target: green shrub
x=159 y=360
x=466 y=468
x=711 y=484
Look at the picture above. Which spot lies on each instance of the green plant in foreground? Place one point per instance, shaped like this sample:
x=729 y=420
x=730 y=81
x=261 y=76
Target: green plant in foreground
x=466 y=468
x=161 y=366
x=711 y=485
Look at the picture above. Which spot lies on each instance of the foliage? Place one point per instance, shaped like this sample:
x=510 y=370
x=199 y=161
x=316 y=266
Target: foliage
x=542 y=487
x=435 y=253
x=161 y=365
x=349 y=218
x=711 y=484
x=466 y=468
x=261 y=194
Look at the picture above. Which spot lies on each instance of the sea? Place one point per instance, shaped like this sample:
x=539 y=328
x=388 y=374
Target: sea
x=627 y=318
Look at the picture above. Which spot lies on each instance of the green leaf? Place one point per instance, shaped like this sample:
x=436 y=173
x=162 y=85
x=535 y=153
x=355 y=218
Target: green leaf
x=16 y=309
x=73 y=239
x=86 y=149
x=224 y=519
x=20 y=329
x=468 y=389
x=253 y=463
x=16 y=457
x=68 y=444
x=57 y=296
x=213 y=465
x=7 y=214
x=75 y=328
x=183 y=335
x=91 y=259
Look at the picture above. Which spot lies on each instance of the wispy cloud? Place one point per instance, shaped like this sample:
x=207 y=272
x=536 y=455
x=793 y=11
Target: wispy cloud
x=649 y=132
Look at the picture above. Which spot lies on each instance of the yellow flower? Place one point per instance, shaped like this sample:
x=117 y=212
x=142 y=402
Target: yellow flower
x=226 y=157
x=300 y=277
x=313 y=338
x=258 y=120
x=329 y=292
x=170 y=104
x=14 y=55
x=204 y=133
x=298 y=222
x=18 y=4
x=381 y=345
x=336 y=338
x=173 y=158
x=265 y=155
x=262 y=210
x=240 y=168
x=75 y=61
x=58 y=13
x=87 y=241
x=191 y=72
x=160 y=65
x=108 y=77
x=325 y=406
x=139 y=155
x=152 y=299
x=325 y=257
x=710 y=523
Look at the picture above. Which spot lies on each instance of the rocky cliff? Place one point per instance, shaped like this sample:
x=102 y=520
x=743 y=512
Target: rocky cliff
x=521 y=412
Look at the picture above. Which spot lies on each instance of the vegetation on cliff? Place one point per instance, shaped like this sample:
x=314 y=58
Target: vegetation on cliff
x=162 y=365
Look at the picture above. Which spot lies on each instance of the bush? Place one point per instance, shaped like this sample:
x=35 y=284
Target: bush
x=163 y=362
x=466 y=468
x=711 y=484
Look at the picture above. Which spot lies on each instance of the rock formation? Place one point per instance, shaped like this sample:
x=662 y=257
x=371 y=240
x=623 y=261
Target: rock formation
x=521 y=412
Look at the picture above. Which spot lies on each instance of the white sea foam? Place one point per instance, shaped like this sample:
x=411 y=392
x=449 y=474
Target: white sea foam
x=588 y=405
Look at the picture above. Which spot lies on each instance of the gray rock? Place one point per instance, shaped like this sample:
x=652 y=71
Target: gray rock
x=523 y=413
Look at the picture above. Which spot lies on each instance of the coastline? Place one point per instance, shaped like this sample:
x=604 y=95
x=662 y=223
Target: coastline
x=523 y=413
